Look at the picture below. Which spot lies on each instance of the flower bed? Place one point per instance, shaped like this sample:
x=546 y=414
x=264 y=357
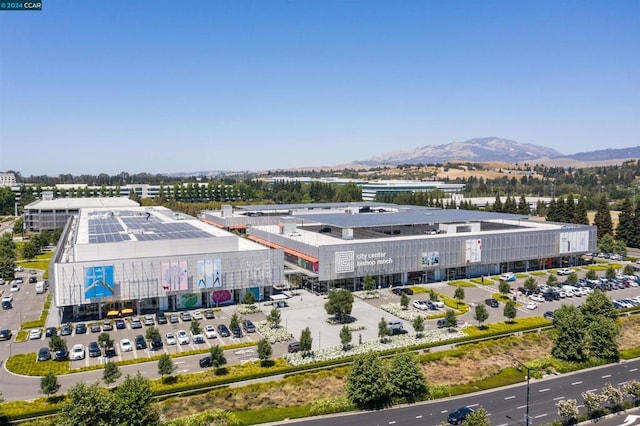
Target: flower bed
x=395 y=342
x=247 y=309
x=273 y=335
x=396 y=309
x=364 y=295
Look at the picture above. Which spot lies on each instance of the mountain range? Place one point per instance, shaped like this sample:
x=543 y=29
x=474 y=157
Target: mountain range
x=493 y=149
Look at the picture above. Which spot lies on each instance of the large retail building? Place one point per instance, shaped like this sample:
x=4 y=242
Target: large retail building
x=338 y=244
x=148 y=259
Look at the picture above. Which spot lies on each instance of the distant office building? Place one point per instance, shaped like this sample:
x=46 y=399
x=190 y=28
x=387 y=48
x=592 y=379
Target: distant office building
x=371 y=190
x=8 y=179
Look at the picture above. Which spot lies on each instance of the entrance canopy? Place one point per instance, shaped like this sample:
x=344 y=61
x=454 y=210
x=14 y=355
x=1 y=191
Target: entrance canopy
x=279 y=297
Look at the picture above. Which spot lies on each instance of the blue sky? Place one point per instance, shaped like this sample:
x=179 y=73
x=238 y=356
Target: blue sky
x=168 y=86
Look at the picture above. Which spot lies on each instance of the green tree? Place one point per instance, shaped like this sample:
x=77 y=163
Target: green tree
x=450 y=319
x=626 y=230
x=603 y=218
x=111 y=373
x=339 y=304
x=418 y=325
x=153 y=333
x=433 y=296
x=49 y=384
x=234 y=321
x=166 y=366
x=570 y=337
x=18 y=226
x=133 y=402
x=610 y=273
x=478 y=418
x=248 y=298
x=607 y=244
x=602 y=339
x=105 y=340
x=274 y=318
x=510 y=310
x=383 y=330
x=406 y=378
x=87 y=405
x=264 y=350
x=481 y=314
x=459 y=294
x=530 y=284
x=57 y=343
x=504 y=287
x=30 y=250
x=567 y=409
x=572 y=278
x=552 y=280
x=345 y=337
x=591 y=401
x=404 y=301
x=591 y=275
x=369 y=283
x=366 y=385
x=598 y=304
x=612 y=395
x=580 y=213
x=628 y=269
x=217 y=356
x=306 y=341
x=196 y=328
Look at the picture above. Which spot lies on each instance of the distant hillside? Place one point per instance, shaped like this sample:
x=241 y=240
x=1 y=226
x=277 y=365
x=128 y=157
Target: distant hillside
x=607 y=154
x=475 y=150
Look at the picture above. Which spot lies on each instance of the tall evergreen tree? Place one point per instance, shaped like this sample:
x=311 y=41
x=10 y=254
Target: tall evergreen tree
x=569 y=209
x=625 y=229
x=580 y=212
x=497 y=205
x=523 y=206
x=603 y=218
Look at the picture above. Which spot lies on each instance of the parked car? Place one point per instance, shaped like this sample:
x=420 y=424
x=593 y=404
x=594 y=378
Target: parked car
x=536 y=298
x=33 y=280
x=5 y=334
x=508 y=277
x=35 y=334
x=223 y=331
x=120 y=324
x=399 y=290
x=197 y=338
x=15 y=287
x=185 y=316
x=173 y=319
x=196 y=315
x=77 y=352
x=66 y=330
x=140 y=342
x=148 y=320
x=95 y=328
x=438 y=304
x=420 y=304
x=18 y=269
x=492 y=303
x=171 y=339
x=248 y=326
x=459 y=416
x=156 y=344
x=210 y=332
x=94 y=350
x=44 y=354
x=293 y=347
x=125 y=345
x=208 y=314
x=7 y=305
x=50 y=331
x=161 y=318
x=107 y=326
x=532 y=305
x=548 y=315
x=81 y=328
x=564 y=271
x=183 y=337
x=237 y=332
x=135 y=323
x=7 y=298
x=61 y=355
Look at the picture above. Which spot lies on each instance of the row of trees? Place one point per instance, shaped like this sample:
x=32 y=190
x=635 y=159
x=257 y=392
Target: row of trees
x=593 y=402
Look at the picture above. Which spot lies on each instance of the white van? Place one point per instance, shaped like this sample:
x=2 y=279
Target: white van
x=40 y=287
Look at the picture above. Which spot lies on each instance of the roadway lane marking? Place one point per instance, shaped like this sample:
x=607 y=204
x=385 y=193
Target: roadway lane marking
x=393 y=422
x=592 y=390
x=544 y=390
x=632 y=370
x=521 y=407
x=444 y=411
x=558 y=398
x=622 y=383
x=606 y=376
x=418 y=417
x=540 y=415
x=576 y=383
x=474 y=405
x=509 y=397
x=504 y=424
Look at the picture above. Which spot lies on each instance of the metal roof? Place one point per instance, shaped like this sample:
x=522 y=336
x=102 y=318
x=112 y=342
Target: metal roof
x=312 y=206
x=413 y=217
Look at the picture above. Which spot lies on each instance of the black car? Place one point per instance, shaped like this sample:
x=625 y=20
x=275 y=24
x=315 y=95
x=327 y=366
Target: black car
x=50 y=332
x=5 y=334
x=208 y=314
x=397 y=331
x=95 y=328
x=109 y=351
x=400 y=290
x=492 y=303
x=33 y=280
x=44 y=354
x=61 y=355
x=548 y=315
x=120 y=324
x=223 y=331
x=94 y=350
x=248 y=326
x=205 y=362
x=6 y=304
x=237 y=332
x=459 y=415
x=156 y=344
x=140 y=342
x=293 y=347
x=81 y=328
x=161 y=318
x=66 y=330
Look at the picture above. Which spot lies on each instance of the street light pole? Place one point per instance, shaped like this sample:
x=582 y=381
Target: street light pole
x=527 y=419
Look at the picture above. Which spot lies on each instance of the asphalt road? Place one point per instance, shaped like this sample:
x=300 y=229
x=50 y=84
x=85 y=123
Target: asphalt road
x=505 y=406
